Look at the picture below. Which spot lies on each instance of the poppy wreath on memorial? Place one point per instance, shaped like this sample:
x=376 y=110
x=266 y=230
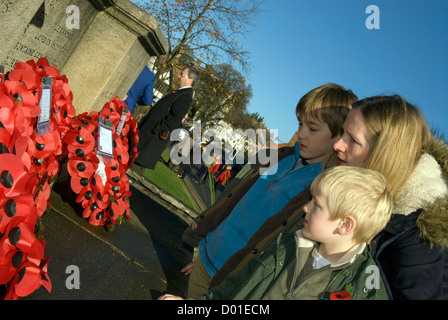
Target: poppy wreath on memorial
x=100 y=182
x=28 y=164
x=42 y=153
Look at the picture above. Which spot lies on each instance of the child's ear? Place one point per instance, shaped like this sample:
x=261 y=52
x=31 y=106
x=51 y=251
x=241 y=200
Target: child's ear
x=347 y=225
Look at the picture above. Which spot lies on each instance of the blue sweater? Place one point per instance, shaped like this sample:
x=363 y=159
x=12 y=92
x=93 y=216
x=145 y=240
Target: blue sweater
x=267 y=197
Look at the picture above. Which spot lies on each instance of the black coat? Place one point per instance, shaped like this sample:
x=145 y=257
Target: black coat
x=413 y=267
x=164 y=117
x=412 y=250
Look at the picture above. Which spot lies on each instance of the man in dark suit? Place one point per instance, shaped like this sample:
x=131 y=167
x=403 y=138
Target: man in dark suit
x=164 y=117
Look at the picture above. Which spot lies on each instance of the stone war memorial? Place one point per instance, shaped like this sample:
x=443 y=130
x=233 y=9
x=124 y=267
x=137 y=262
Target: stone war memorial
x=66 y=142
x=100 y=45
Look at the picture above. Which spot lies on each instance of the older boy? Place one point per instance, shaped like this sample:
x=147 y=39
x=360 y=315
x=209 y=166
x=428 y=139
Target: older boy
x=328 y=258
x=238 y=226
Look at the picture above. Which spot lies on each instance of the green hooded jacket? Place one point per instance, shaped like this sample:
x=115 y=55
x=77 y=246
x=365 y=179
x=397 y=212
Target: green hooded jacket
x=359 y=278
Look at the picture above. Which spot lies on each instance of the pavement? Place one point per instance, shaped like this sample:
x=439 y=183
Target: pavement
x=140 y=260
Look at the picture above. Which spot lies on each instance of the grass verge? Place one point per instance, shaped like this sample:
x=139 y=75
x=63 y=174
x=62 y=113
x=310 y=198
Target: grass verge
x=170 y=182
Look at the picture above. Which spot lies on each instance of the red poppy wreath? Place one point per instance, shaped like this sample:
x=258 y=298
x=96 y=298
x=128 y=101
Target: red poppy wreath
x=99 y=179
x=23 y=267
x=29 y=161
x=39 y=151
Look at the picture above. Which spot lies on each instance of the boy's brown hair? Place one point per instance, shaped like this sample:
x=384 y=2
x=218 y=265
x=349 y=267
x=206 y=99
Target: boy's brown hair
x=329 y=103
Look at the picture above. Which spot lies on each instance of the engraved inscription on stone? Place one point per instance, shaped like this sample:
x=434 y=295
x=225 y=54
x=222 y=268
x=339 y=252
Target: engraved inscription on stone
x=36 y=28
x=100 y=45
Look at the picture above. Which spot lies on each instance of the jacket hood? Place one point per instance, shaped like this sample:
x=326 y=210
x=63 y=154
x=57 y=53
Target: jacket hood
x=427 y=189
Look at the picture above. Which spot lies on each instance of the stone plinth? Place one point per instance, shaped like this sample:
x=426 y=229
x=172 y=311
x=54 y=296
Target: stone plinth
x=101 y=45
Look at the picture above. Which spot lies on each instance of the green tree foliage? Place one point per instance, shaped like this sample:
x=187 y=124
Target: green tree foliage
x=222 y=91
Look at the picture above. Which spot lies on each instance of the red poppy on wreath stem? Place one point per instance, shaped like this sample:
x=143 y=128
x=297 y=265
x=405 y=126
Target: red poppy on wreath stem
x=340 y=295
x=81 y=168
x=85 y=196
x=28 y=279
x=83 y=121
x=25 y=73
x=80 y=143
x=119 y=207
x=13 y=178
x=13 y=208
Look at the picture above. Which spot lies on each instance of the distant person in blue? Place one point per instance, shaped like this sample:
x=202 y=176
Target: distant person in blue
x=141 y=91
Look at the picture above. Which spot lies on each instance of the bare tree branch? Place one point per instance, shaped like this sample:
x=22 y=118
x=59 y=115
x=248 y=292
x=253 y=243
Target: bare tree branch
x=210 y=28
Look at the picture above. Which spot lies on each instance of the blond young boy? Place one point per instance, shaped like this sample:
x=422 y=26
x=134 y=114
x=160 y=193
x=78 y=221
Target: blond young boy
x=234 y=230
x=329 y=257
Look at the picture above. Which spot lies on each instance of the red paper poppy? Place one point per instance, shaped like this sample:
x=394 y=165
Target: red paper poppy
x=31 y=74
x=12 y=120
x=125 y=149
x=6 y=143
x=83 y=121
x=6 y=100
x=28 y=279
x=340 y=295
x=27 y=241
x=41 y=198
x=46 y=145
x=113 y=110
x=90 y=210
x=52 y=166
x=18 y=207
x=19 y=244
x=117 y=189
x=25 y=73
x=95 y=214
x=21 y=147
x=23 y=97
x=63 y=110
x=119 y=208
x=98 y=219
x=77 y=185
x=100 y=191
x=81 y=168
x=80 y=143
x=120 y=151
x=114 y=173
x=9 y=263
x=13 y=178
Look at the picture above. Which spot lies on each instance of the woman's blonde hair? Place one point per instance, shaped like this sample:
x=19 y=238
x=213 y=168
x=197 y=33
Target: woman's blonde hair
x=357 y=192
x=397 y=134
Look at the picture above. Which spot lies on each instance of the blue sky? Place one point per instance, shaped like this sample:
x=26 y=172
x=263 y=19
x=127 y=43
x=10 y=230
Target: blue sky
x=298 y=45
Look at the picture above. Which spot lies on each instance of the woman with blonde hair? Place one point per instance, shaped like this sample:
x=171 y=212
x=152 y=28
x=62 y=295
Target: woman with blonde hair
x=389 y=135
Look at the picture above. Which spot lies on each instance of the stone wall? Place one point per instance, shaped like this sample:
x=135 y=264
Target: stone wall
x=101 y=45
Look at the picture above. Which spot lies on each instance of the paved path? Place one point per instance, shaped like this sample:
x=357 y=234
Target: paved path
x=139 y=260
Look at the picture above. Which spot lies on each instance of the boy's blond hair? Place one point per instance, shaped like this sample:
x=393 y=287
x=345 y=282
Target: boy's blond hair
x=357 y=192
x=329 y=103
x=397 y=134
